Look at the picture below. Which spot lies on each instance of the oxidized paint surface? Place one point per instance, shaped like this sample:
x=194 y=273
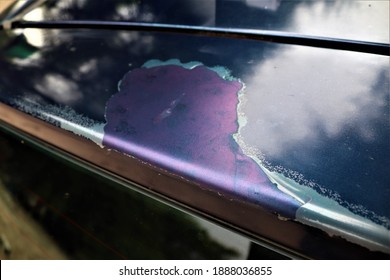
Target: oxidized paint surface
x=190 y=120
x=320 y=132
x=183 y=120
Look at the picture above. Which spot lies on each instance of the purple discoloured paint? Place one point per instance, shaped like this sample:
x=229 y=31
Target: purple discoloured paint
x=183 y=120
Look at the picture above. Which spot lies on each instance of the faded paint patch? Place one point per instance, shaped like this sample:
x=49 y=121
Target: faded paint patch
x=183 y=118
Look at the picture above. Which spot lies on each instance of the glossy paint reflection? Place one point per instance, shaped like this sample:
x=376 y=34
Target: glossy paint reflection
x=315 y=116
x=350 y=19
x=301 y=96
x=324 y=133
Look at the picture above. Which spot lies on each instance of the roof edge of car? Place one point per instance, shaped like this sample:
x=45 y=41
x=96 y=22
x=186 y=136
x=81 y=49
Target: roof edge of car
x=234 y=33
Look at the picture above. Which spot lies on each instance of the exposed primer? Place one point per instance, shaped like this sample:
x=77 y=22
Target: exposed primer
x=156 y=62
x=300 y=180
x=223 y=72
x=325 y=213
x=64 y=117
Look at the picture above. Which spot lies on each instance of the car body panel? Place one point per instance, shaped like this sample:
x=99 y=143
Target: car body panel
x=290 y=137
x=345 y=19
